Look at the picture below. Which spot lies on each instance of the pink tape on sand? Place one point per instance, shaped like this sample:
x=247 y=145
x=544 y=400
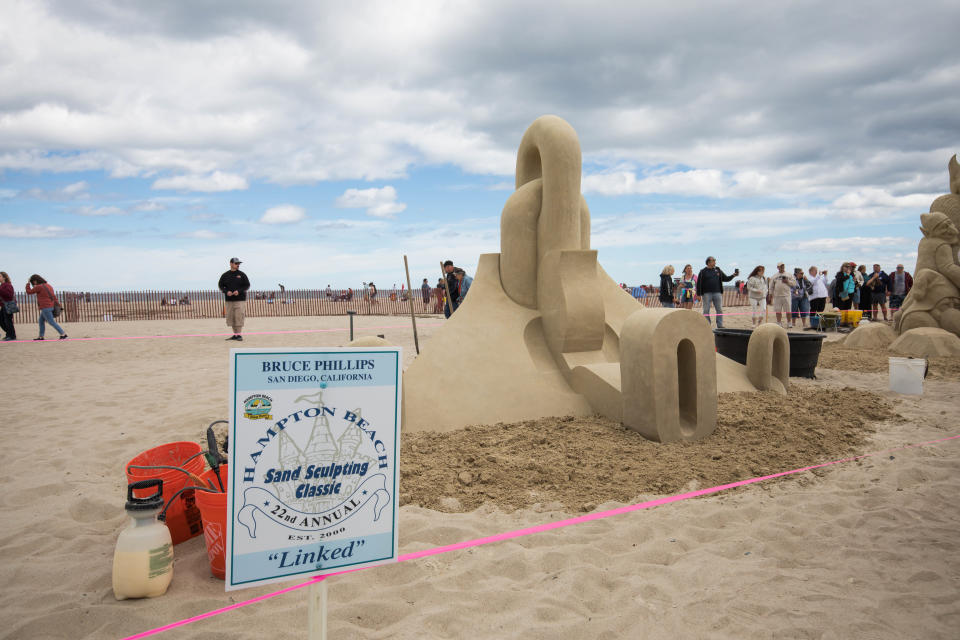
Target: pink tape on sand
x=540 y=528
x=216 y=335
x=435 y=324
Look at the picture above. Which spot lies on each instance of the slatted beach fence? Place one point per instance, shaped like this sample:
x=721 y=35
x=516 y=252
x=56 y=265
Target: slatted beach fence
x=188 y=305
x=184 y=305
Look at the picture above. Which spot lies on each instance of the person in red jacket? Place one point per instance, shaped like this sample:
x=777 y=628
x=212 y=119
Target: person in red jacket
x=6 y=319
x=46 y=299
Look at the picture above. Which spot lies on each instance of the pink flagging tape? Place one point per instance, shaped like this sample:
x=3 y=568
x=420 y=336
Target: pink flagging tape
x=216 y=335
x=787 y=313
x=540 y=528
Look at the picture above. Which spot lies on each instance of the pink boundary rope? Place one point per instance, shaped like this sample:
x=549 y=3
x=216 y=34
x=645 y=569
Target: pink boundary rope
x=432 y=324
x=215 y=335
x=540 y=528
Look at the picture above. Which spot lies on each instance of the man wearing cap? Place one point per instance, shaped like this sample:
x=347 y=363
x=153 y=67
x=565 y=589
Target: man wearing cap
x=781 y=287
x=234 y=284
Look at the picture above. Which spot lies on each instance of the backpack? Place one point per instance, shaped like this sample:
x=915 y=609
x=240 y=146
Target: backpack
x=57 y=309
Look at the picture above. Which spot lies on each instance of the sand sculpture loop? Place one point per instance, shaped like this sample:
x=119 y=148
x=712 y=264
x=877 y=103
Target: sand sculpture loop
x=546 y=332
x=934 y=300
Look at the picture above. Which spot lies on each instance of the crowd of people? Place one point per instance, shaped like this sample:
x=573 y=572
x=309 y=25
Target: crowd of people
x=796 y=298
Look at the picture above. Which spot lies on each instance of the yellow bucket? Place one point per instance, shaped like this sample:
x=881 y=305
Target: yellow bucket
x=851 y=316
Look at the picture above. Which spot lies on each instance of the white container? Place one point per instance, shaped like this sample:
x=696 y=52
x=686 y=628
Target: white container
x=143 y=559
x=907 y=374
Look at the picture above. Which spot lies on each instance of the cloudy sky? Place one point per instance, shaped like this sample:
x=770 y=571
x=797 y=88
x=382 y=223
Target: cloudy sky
x=142 y=144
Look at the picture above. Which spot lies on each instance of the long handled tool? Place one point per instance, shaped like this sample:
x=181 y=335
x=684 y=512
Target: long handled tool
x=413 y=317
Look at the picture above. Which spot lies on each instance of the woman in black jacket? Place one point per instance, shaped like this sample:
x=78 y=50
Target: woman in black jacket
x=666 y=287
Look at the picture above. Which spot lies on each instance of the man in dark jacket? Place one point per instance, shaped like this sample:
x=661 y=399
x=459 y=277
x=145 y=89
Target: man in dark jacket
x=879 y=283
x=710 y=288
x=234 y=284
x=453 y=287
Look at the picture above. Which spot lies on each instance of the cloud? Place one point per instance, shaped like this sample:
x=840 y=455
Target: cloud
x=216 y=181
x=379 y=203
x=201 y=234
x=99 y=211
x=207 y=217
x=8 y=230
x=149 y=205
x=6 y=194
x=697 y=182
x=846 y=244
x=73 y=191
x=874 y=197
x=342 y=224
x=283 y=214
x=869 y=102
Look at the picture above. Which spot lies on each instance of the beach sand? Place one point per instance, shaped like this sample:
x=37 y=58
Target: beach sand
x=865 y=549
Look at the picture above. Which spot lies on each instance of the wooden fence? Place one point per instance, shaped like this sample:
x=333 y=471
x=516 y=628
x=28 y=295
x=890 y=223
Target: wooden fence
x=182 y=305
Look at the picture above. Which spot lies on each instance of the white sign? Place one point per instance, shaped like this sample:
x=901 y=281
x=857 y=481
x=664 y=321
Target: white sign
x=314 y=445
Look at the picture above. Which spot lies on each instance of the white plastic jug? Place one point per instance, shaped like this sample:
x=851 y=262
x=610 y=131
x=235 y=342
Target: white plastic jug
x=143 y=559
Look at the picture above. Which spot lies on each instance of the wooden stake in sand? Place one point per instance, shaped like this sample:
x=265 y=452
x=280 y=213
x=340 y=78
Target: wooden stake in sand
x=317 y=611
x=413 y=318
x=446 y=285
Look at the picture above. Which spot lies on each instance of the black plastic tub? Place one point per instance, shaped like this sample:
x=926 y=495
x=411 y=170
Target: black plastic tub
x=804 y=349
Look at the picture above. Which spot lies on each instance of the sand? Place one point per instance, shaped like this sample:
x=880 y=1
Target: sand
x=578 y=463
x=866 y=549
x=840 y=357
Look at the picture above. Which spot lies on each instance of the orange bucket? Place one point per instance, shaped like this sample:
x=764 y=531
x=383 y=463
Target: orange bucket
x=213 y=509
x=183 y=517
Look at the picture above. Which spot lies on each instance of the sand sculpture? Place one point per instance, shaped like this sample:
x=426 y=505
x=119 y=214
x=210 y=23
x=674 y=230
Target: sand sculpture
x=546 y=332
x=934 y=300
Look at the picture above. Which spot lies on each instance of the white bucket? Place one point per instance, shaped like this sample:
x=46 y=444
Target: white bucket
x=907 y=374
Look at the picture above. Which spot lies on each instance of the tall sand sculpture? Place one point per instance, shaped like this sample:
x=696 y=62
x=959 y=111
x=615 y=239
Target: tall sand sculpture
x=545 y=331
x=934 y=300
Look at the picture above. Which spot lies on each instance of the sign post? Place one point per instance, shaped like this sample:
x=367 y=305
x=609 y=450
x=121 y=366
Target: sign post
x=317 y=611
x=313 y=475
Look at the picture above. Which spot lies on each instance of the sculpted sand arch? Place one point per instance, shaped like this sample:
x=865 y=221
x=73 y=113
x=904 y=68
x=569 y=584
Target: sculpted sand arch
x=545 y=331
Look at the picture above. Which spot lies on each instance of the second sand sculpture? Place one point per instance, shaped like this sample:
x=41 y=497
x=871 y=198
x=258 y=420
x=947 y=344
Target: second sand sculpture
x=546 y=332
x=934 y=300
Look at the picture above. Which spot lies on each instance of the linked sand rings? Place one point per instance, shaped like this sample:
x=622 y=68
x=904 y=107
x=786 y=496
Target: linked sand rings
x=546 y=332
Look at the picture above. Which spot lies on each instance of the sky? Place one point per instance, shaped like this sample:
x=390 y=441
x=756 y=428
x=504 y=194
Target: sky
x=144 y=144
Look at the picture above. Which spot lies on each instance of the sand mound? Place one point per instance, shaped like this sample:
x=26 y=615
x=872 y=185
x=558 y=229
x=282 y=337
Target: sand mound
x=840 y=357
x=582 y=462
x=926 y=342
x=872 y=335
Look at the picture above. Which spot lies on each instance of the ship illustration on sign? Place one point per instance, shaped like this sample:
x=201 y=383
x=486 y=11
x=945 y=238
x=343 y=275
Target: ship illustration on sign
x=321 y=449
